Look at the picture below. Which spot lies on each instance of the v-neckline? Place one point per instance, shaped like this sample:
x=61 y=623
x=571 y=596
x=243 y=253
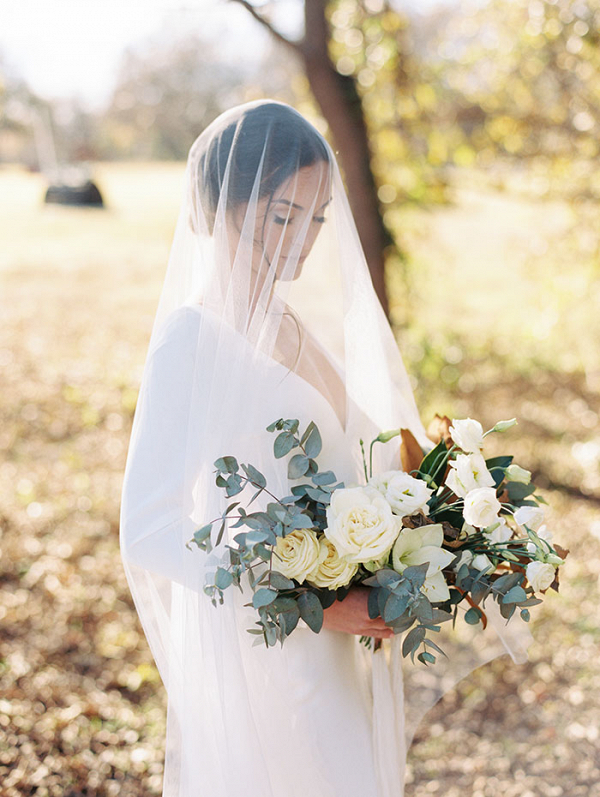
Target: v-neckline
x=273 y=362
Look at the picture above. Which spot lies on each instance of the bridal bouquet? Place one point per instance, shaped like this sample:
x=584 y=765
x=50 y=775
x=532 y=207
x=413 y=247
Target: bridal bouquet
x=451 y=528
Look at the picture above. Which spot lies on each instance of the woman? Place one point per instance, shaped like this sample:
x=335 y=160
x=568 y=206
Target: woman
x=267 y=312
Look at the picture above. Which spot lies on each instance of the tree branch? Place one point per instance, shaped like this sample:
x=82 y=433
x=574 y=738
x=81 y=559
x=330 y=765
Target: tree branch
x=295 y=46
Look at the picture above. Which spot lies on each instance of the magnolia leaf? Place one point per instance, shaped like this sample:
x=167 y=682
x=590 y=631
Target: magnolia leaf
x=439 y=429
x=411 y=454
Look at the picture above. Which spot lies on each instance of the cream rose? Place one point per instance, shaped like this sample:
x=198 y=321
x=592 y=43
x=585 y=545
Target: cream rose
x=360 y=523
x=481 y=507
x=332 y=571
x=297 y=554
x=539 y=575
x=405 y=494
x=467 y=434
x=468 y=472
x=420 y=546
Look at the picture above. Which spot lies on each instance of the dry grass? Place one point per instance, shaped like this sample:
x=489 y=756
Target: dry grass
x=82 y=709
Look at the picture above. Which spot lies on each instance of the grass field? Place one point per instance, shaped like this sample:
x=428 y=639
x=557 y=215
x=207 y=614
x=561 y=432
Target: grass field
x=504 y=322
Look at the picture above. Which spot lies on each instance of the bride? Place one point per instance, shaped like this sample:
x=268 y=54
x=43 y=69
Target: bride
x=267 y=311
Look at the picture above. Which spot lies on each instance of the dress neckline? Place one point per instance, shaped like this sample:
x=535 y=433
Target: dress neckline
x=275 y=363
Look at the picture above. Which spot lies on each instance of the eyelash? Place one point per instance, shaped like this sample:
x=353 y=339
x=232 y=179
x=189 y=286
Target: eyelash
x=279 y=220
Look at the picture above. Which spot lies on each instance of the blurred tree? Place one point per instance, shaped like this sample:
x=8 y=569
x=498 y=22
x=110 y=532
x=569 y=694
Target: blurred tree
x=166 y=94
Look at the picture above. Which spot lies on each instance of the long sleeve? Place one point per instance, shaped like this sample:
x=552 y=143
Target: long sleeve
x=162 y=462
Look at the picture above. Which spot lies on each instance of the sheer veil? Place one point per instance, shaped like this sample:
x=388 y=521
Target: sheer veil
x=267 y=299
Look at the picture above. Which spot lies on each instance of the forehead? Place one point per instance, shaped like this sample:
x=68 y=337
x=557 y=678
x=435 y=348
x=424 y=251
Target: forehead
x=310 y=184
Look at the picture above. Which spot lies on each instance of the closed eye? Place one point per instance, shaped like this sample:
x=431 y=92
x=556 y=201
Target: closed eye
x=319 y=219
x=279 y=220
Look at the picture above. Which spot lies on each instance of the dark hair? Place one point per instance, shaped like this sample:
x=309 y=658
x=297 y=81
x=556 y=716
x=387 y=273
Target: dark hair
x=273 y=132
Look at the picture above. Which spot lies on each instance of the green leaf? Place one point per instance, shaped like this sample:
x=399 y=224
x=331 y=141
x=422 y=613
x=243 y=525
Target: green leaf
x=297 y=466
x=507 y=582
x=412 y=640
x=223 y=578
x=300 y=521
x=255 y=476
x=517 y=491
x=313 y=444
x=372 y=603
x=311 y=611
x=435 y=462
x=499 y=462
x=326 y=477
x=202 y=533
x=284 y=604
x=234 y=485
x=403 y=623
x=289 y=620
x=279 y=581
x=416 y=574
x=473 y=616
x=283 y=444
x=525 y=615
x=275 y=425
x=263 y=597
x=515 y=595
x=395 y=606
x=426 y=658
x=226 y=464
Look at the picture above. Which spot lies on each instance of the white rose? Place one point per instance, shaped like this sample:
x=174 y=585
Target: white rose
x=539 y=575
x=543 y=533
x=466 y=557
x=332 y=571
x=531 y=516
x=467 y=434
x=514 y=473
x=468 y=471
x=498 y=532
x=360 y=523
x=405 y=494
x=420 y=546
x=297 y=554
x=481 y=507
x=482 y=563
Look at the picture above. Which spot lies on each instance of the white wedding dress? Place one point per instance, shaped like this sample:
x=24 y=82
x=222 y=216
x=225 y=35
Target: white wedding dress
x=318 y=739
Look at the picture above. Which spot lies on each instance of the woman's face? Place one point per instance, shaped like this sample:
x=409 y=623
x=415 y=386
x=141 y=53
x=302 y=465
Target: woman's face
x=288 y=223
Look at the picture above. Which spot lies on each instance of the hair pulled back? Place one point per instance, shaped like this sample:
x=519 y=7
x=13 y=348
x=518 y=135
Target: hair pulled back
x=270 y=132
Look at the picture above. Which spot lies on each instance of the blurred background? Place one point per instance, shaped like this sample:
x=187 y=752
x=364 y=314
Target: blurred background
x=468 y=134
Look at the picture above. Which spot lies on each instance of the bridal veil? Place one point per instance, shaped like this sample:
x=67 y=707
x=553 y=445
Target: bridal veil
x=266 y=286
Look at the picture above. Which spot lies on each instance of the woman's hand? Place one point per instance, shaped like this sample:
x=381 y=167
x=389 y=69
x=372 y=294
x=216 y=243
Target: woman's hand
x=351 y=616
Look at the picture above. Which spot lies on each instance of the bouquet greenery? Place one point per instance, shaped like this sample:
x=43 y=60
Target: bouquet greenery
x=450 y=528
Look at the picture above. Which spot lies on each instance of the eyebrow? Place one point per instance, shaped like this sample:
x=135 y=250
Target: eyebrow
x=298 y=207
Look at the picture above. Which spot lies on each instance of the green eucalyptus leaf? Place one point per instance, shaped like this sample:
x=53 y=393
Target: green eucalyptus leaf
x=525 y=615
x=313 y=444
x=289 y=620
x=426 y=658
x=416 y=574
x=254 y=475
x=372 y=603
x=325 y=477
x=275 y=425
x=279 y=581
x=283 y=444
x=395 y=606
x=412 y=640
x=473 y=616
x=202 y=533
x=223 y=578
x=515 y=595
x=297 y=466
x=263 y=597
x=227 y=464
x=311 y=611
x=301 y=521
